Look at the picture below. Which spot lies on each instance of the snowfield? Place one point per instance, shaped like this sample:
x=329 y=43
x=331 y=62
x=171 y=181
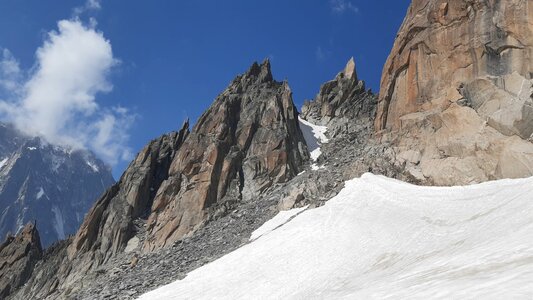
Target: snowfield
x=279 y=220
x=384 y=239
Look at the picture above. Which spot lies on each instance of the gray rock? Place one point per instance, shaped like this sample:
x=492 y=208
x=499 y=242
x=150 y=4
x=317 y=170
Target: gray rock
x=344 y=97
x=18 y=256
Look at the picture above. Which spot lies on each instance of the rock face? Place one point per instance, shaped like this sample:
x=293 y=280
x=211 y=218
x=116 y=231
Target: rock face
x=50 y=184
x=18 y=256
x=456 y=91
x=248 y=140
x=343 y=97
x=109 y=224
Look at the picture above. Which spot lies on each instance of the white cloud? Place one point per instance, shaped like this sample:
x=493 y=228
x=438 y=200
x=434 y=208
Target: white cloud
x=10 y=73
x=88 y=6
x=341 y=6
x=58 y=101
x=93 y=4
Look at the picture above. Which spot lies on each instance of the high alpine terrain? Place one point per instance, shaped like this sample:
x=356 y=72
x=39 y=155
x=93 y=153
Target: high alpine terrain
x=259 y=200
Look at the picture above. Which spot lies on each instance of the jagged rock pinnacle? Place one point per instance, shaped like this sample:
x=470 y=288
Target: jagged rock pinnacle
x=350 y=71
x=344 y=96
x=261 y=71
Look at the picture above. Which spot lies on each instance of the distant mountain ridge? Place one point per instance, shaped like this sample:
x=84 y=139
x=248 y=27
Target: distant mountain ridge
x=51 y=185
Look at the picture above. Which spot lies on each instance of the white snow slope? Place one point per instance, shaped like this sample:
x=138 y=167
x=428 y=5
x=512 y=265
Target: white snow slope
x=279 y=220
x=384 y=239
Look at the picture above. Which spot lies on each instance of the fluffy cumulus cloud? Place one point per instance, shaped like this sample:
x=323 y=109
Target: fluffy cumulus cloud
x=57 y=100
x=342 y=6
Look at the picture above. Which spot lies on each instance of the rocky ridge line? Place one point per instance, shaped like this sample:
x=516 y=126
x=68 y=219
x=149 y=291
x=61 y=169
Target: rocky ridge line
x=246 y=143
x=351 y=152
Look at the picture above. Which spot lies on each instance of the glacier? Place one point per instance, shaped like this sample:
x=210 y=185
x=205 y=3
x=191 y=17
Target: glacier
x=380 y=238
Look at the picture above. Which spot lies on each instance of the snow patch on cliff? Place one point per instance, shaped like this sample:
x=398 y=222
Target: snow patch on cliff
x=314 y=136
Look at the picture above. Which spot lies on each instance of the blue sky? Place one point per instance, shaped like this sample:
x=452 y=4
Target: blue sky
x=171 y=58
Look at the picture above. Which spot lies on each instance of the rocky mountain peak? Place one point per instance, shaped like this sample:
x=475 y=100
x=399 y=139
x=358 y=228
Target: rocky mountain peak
x=343 y=97
x=260 y=72
x=350 y=71
x=248 y=140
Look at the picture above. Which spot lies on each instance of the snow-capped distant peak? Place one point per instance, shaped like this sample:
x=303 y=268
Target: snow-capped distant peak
x=314 y=136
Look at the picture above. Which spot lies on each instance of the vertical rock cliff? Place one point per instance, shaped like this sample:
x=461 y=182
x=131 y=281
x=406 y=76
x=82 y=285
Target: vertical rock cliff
x=456 y=91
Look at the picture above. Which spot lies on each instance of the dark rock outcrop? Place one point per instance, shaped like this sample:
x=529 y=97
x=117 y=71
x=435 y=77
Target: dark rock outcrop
x=341 y=101
x=18 y=256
